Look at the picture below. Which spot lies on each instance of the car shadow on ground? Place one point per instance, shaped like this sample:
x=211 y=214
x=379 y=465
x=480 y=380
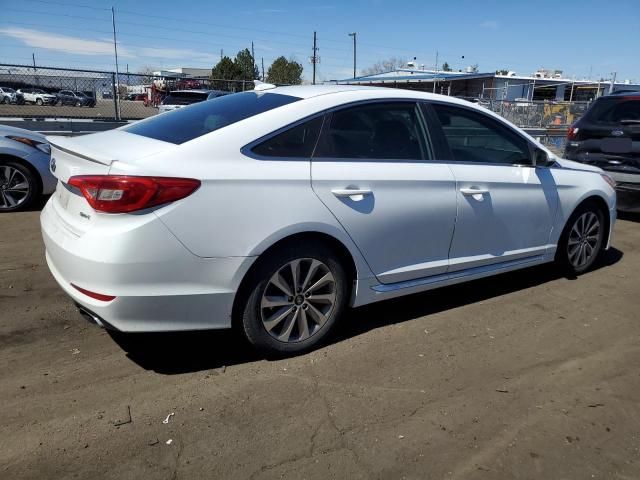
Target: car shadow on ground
x=629 y=216
x=184 y=352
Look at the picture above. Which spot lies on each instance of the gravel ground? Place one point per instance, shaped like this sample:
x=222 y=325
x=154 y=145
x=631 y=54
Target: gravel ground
x=103 y=109
x=528 y=375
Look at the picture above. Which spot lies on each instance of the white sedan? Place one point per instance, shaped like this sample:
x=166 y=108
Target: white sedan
x=274 y=210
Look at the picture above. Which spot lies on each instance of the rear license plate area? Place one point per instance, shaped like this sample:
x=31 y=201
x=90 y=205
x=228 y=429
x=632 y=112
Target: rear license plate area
x=616 y=145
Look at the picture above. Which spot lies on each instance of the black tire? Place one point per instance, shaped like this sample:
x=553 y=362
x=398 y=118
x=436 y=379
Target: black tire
x=250 y=298
x=78 y=104
x=564 y=252
x=39 y=102
x=34 y=188
x=5 y=100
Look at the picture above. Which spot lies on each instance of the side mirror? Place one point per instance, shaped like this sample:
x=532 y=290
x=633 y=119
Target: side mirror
x=541 y=158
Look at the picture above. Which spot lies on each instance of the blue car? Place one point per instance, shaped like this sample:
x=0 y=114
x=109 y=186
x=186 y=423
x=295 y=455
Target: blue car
x=24 y=168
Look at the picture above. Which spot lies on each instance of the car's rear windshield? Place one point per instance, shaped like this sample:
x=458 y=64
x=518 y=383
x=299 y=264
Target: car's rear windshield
x=184 y=98
x=184 y=124
x=614 y=109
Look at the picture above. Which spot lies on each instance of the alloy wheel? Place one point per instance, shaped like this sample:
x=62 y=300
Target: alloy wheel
x=583 y=239
x=14 y=187
x=298 y=300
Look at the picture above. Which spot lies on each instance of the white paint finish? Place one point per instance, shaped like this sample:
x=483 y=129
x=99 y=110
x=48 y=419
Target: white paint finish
x=513 y=219
x=178 y=266
x=404 y=227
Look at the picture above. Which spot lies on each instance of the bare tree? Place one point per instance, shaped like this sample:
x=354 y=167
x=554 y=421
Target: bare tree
x=388 y=65
x=146 y=74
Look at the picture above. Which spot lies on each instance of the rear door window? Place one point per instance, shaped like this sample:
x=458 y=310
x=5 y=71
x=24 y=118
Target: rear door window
x=374 y=131
x=191 y=122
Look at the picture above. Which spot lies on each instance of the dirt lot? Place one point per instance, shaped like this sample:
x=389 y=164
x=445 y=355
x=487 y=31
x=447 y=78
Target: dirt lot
x=103 y=109
x=526 y=375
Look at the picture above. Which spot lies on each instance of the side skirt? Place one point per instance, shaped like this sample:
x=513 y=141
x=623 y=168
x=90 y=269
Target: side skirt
x=370 y=290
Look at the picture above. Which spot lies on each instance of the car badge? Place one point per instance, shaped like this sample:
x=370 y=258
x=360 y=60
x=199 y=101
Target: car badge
x=617 y=133
x=52 y=164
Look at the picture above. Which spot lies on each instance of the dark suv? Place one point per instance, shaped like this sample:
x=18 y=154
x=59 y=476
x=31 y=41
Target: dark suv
x=608 y=136
x=78 y=99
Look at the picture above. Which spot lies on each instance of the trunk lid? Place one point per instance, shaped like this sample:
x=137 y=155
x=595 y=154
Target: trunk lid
x=91 y=155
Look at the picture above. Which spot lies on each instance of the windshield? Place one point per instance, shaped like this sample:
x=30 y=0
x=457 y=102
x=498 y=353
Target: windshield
x=614 y=110
x=8 y=90
x=184 y=124
x=38 y=91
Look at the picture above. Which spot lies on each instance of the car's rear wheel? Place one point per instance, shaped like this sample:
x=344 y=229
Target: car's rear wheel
x=18 y=186
x=582 y=239
x=294 y=298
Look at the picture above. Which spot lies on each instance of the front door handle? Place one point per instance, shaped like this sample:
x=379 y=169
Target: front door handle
x=474 y=191
x=353 y=193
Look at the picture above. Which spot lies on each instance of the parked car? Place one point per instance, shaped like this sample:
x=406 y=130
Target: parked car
x=24 y=168
x=182 y=98
x=608 y=136
x=274 y=210
x=8 y=95
x=77 y=99
x=136 y=97
x=37 y=96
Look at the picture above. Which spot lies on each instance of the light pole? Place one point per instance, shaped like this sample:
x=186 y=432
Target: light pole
x=354 y=34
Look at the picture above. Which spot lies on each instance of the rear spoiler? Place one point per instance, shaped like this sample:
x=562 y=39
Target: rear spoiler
x=67 y=145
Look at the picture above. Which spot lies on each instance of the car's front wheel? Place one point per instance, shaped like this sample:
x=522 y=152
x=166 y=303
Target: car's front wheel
x=18 y=187
x=582 y=239
x=39 y=101
x=294 y=298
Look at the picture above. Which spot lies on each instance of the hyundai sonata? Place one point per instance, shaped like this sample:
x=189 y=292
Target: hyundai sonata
x=275 y=210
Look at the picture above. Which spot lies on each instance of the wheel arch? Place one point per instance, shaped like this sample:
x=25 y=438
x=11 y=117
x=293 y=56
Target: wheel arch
x=594 y=199
x=346 y=256
x=34 y=171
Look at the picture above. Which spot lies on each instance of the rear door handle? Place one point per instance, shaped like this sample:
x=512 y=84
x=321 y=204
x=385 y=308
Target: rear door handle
x=351 y=192
x=474 y=191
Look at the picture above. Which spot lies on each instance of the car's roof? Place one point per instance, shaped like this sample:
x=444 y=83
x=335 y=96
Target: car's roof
x=310 y=91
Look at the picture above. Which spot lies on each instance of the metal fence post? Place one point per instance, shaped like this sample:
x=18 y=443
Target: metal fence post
x=115 y=96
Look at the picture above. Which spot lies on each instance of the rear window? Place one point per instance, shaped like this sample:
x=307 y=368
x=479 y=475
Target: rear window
x=184 y=124
x=614 y=110
x=184 y=98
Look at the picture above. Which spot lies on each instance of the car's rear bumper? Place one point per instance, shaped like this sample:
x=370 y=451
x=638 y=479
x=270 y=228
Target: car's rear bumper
x=161 y=288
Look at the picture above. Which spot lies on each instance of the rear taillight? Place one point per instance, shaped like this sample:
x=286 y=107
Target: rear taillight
x=572 y=133
x=123 y=193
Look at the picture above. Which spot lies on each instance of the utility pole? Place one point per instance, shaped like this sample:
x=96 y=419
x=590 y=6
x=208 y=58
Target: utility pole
x=115 y=49
x=613 y=80
x=35 y=77
x=436 y=77
x=262 y=61
x=221 y=54
x=314 y=57
x=354 y=34
x=253 y=62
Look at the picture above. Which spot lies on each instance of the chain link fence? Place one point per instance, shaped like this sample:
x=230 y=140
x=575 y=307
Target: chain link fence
x=536 y=114
x=46 y=92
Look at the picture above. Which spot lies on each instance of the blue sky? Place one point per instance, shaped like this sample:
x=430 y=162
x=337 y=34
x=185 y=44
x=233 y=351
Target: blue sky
x=579 y=37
